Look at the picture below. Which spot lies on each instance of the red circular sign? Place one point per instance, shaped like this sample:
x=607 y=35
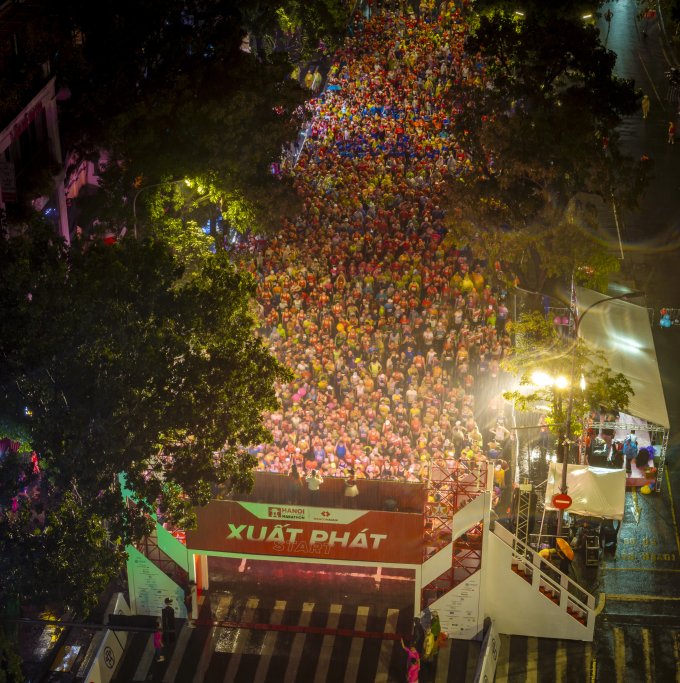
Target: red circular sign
x=561 y=501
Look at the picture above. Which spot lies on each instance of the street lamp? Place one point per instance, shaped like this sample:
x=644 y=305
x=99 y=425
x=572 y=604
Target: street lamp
x=134 y=201
x=577 y=324
x=565 y=448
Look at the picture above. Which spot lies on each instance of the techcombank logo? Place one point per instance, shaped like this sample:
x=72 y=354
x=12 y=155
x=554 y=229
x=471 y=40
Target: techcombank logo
x=287 y=513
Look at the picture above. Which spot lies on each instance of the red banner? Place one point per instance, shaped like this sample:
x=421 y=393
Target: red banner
x=299 y=531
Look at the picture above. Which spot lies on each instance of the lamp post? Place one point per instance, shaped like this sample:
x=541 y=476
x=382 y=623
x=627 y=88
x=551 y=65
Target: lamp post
x=570 y=404
x=134 y=201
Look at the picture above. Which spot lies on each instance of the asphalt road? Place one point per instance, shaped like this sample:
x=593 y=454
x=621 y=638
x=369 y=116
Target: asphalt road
x=649 y=240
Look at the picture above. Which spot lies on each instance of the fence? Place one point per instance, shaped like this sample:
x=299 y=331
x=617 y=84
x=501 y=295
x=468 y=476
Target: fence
x=273 y=488
x=673 y=94
x=562 y=313
x=672 y=313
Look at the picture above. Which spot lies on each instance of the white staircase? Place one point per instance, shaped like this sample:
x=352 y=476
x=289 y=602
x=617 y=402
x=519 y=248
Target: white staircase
x=504 y=580
x=527 y=596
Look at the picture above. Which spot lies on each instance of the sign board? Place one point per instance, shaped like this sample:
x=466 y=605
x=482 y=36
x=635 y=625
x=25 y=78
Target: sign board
x=459 y=609
x=149 y=586
x=650 y=15
x=8 y=184
x=488 y=656
x=561 y=501
x=300 y=531
x=109 y=647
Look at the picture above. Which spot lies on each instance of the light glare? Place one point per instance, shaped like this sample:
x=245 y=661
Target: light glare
x=540 y=379
x=562 y=382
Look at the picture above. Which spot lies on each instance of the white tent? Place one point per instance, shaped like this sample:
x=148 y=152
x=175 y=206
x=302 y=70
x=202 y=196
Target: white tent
x=594 y=491
x=622 y=331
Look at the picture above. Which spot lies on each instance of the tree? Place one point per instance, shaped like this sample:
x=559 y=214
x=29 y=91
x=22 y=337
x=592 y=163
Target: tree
x=542 y=360
x=10 y=661
x=128 y=367
x=65 y=560
x=543 y=139
x=182 y=99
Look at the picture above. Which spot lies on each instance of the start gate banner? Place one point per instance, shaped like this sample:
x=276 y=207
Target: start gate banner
x=300 y=531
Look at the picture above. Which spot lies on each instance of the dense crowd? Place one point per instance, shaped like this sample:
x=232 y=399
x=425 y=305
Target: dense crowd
x=395 y=333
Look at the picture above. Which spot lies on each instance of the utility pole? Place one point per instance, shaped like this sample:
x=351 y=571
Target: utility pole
x=565 y=447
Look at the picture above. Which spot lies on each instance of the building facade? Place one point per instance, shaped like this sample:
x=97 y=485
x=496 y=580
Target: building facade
x=28 y=144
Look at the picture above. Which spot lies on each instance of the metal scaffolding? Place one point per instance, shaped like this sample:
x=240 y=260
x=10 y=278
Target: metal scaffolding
x=661 y=432
x=449 y=489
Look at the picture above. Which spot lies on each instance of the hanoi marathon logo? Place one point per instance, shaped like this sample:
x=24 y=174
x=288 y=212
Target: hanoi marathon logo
x=284 y=538
x=285 y=512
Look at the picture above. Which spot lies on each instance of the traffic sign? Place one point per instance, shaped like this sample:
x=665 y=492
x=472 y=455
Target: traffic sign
x=561 y=501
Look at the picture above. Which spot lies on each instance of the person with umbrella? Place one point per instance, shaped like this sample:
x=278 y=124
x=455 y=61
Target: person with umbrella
x=563 y=554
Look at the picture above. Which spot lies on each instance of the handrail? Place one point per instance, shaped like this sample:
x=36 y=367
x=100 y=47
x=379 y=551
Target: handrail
x=530 y=556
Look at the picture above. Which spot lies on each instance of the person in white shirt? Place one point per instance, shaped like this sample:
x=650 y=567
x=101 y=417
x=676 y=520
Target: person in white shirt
x=314 y=481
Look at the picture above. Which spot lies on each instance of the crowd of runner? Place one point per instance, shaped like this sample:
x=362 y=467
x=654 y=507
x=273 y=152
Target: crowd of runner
x=394 y=332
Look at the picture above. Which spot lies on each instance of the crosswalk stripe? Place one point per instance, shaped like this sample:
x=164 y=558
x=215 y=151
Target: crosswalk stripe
x=269 y=642
x=145 y=661
x=327 y=645
x=474 y=648
x=619 y=656
x=177 y=655
x=298 y=644
x=588 y=660
x=240 y=641
x=442 y=673
x=532 y=660
x=648 y=650
x=503 y=665
x=357 y=644
x=560 y=662
x=211 y=642
x=676 y=655
x=387 y=646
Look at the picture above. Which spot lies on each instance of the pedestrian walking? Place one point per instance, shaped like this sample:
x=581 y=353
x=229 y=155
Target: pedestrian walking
x=429 y=650
x=189 y=596
x=316 y=81
x=413 y=663
x=314 y=481
x=158 y=643
x=671 y=133
x=608 y=16
x=309 y=77
x=645 y=106
x=168 y=622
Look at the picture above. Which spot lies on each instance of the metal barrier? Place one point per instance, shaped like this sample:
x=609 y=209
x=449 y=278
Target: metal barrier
x=673 y=94
x=650 y=312
x=561 y=313
x=673 y=314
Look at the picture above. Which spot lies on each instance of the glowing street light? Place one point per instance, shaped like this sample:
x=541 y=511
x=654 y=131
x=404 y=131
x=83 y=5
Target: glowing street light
x=587 y=16
x=540 y=379
x=561 y=382
x=521 y=14
x=583 y=383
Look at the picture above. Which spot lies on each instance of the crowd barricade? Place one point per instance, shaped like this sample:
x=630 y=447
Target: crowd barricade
x=672 y=313
x=273 y=488
x=563 y=314
x=650 y=313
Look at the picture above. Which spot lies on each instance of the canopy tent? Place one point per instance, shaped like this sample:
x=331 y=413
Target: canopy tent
x=622 y=331
x=594 y=491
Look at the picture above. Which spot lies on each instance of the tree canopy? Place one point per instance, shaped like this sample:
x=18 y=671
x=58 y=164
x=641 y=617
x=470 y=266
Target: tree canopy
x=541 y=356
x=165 y=90
x=543 y=140
x=114 y=361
